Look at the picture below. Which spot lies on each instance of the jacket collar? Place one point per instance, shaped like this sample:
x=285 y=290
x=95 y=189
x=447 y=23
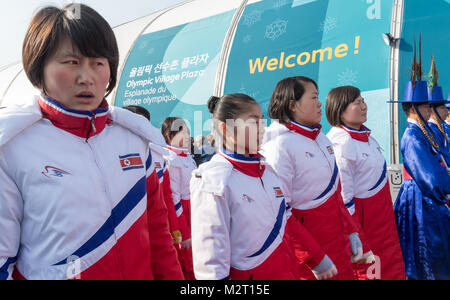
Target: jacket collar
x=361 y=135
x=251 y=166
x=84 y=124
x=412 y=121
x=309 y=132
x=183 y=152
x=432 y=121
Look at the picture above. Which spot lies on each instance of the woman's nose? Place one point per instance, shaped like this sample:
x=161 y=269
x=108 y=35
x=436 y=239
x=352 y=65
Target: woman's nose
x=85 y=75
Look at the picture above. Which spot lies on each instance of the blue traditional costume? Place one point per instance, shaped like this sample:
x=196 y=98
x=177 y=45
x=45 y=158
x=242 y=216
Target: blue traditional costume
x=421 y=211
x=436 y=98
x=447 y=123
x=436 y=123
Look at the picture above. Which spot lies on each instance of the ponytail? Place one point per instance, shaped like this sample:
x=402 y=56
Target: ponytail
x=439 y=124
x=430 y=137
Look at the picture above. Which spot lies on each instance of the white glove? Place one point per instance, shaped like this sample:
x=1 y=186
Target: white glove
x=325 y=269
x=186 y=244
x=355 y=247
x=367 y=258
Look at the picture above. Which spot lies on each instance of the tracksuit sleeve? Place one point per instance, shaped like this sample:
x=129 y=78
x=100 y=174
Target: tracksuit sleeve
x=176 y=186
x=11 y=214
x=303 y=243
x=280 y=160
x=211 y=234
x=186 y=195
x=164 y=262
x=345 y=160
x=167 y=192
x=346 y=176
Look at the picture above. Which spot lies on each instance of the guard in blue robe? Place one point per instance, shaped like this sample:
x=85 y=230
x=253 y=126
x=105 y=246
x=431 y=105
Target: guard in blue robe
x=446 y=122
x=436 y=97
x=421 y=211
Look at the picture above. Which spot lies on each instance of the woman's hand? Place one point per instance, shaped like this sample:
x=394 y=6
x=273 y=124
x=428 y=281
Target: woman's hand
x=187 y=244
x=355 y=247
x=325 y=269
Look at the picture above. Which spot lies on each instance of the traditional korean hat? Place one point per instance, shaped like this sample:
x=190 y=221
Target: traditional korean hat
x=417 y=93
x=435 y=94
x=416 y=89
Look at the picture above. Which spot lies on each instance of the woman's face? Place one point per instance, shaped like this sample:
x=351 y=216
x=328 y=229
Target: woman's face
x=307 y=111
x=448 y=115
x=76 y=81
x=244 y=135
x=355 y=114
x=442 y=112
x=182 y=139
x=425 y=111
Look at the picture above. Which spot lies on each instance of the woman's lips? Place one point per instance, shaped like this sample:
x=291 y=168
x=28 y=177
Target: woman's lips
x=85 y=97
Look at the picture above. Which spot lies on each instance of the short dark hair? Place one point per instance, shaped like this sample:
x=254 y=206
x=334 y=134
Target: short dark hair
x=338 y=100
x=291 y=88
x=87 y=30
x=170 y=127
x=138 y=110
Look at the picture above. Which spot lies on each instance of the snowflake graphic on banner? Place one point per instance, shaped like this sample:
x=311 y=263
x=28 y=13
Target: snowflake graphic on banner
x=243 y=90
x=252 y=18
x=187 y=113
x=247 y=39
x=143 y=45
x=276 y=29
x=348 y=77
x=328 y=24
x=280 y=3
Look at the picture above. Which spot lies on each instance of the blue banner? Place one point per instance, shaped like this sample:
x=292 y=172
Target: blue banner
x=172 y=72
x=431 y=21
x=334 y=42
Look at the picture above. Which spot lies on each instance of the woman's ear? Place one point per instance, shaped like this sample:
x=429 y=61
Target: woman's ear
x=292 y=105
x=228 y=137
x=222 y=128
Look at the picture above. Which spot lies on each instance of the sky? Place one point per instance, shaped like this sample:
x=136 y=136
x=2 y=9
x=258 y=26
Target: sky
x=15 y=15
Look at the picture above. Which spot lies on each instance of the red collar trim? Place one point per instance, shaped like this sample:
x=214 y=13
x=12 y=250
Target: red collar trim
x=361 y=135
x=251 y=166
x=309 y=132
x=183 y=152
x=84 y=124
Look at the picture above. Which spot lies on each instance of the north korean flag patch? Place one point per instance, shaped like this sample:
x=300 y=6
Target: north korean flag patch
x=330 y=150
x=278 y=192
x=131 y=162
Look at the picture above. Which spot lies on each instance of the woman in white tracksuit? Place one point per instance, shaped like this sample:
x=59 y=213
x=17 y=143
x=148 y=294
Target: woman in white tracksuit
x=180 y=166
x=364 y=178
x=239 y=210
x=160 y=156
x=304 y=159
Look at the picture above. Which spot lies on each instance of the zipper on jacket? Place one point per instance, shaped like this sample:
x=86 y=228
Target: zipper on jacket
x=274 y=210
x=92 y=127
x=326 y=158
x=117 y=257
x=328 y=162
x=260 y=178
